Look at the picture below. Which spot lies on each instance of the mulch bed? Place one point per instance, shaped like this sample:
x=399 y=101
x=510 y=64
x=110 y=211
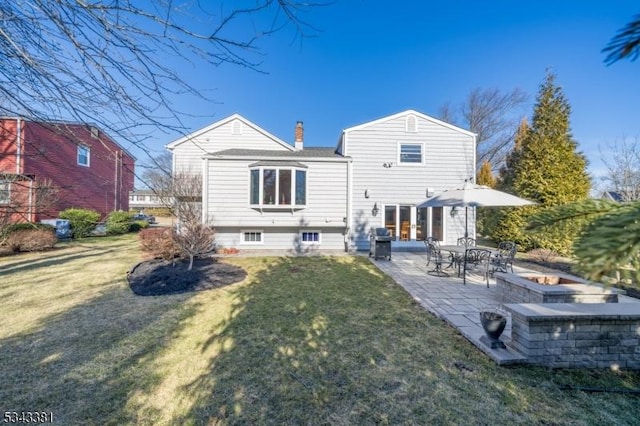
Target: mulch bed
x=159 y=277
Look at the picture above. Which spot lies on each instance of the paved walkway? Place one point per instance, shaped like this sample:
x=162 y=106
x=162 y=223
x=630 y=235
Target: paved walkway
x=448 y=299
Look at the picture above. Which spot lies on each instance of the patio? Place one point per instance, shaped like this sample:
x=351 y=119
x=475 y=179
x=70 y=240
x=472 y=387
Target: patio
x=452 y=301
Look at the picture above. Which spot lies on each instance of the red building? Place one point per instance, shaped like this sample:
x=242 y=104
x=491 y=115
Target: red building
x=49 y=167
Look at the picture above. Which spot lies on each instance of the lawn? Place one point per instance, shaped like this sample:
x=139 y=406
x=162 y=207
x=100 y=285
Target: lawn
x=313 y=340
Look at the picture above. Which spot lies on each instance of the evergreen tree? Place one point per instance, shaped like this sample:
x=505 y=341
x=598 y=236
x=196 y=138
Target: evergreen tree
x=547 y=169
x=484 y=215
x=485 y=175
x=507 y=171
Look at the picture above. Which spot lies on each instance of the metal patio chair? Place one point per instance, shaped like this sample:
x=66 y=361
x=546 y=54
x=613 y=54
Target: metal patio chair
x=478 y=260
x=436 y=255
x=503 y=260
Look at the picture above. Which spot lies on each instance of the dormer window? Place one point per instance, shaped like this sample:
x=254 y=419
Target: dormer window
x=83 y=155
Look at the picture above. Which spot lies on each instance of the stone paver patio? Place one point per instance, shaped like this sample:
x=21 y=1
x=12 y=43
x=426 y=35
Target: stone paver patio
x=452 y=301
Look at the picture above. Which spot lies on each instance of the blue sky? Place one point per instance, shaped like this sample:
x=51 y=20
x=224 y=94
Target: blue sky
x=374 y=58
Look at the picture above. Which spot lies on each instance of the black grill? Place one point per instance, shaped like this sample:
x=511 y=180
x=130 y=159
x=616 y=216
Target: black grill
x=380 y=243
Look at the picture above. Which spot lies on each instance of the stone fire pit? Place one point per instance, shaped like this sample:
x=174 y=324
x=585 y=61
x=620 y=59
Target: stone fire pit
x=536 y=287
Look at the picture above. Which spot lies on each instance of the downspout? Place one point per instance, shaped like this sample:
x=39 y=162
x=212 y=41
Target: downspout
x=205 y=184
x=18 y=145
x=115 y=182
x=30 y=211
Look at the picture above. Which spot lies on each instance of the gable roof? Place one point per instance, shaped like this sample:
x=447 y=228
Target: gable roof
x=224 y=121
x=406 y=113
x=612 y=195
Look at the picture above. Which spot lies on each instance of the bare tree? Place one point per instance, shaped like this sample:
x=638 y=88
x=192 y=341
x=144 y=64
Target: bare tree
x=622 y=160
x=192 y=236
x=24 y=198
x=156 y=175
x=119 y=64
x=493 y=116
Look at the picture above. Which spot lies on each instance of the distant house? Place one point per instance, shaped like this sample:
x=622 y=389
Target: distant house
x=260 y=192
x=86 y=168
x=612 y=196
x=140 y=199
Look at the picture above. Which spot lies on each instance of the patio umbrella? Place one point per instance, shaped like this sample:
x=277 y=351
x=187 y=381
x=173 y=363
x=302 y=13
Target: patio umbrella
x=472 y=195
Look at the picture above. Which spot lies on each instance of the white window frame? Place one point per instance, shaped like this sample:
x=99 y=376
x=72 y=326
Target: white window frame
x=307 y=231
x=251 y=231
x=5 y=188
x=277 y=204
x=409 y=121
x=405 y=163
x=80 y=147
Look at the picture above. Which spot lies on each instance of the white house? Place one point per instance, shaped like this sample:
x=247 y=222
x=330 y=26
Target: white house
x=398 y=161
x=260 y=192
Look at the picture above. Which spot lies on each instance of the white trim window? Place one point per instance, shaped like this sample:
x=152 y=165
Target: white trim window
x=411 y=124
x=411 y=153
x=5 y=191
x=252 y=236
x=277 y=187
x=310 y=237
x=84 y=155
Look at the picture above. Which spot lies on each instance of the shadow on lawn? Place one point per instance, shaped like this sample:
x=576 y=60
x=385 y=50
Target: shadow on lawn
x=32 y=264
x=303 y=350
x=66 y=367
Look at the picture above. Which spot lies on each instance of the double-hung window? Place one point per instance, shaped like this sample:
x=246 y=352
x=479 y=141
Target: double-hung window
x=410 y=153
x=83 y=155
x=277 y=186
x=5 y=192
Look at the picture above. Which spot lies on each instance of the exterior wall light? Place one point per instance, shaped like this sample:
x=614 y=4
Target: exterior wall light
x=375 y=209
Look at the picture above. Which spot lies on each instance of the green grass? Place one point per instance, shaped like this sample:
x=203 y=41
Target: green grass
x=314 y=340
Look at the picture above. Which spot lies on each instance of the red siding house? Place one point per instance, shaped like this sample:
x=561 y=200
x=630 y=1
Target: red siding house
x=80 y=164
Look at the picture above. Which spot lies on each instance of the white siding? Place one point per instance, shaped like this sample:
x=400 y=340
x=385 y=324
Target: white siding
x=449 y=158
x=188 y=155
x=326 y=208
x=281 y=238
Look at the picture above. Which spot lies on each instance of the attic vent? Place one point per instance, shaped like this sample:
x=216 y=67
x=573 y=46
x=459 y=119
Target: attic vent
x=412 y=124
x=94 y=132
x=237 y=127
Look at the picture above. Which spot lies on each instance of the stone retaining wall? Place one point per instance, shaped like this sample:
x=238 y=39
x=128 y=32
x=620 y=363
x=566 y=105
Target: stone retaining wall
x=570 y=335
x=518 y=288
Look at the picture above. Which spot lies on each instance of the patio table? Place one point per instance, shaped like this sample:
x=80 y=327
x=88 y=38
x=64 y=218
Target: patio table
x=460 y=251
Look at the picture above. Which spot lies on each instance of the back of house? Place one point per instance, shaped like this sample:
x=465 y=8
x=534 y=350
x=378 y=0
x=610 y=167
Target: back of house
x=398 y=162
x=260 y=192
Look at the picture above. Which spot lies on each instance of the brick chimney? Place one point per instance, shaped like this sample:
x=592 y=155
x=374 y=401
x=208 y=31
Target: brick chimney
x=299 y=135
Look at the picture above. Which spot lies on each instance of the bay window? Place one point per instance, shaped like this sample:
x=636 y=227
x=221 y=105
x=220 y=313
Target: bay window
x=277 y=186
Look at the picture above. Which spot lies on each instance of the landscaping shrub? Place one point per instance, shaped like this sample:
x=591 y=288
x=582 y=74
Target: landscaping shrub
x=82 y=220
x=159 y=243
x=8 y=229
x=119 y=222
x=33 y=239
x=137 y=225
x=542 y=255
